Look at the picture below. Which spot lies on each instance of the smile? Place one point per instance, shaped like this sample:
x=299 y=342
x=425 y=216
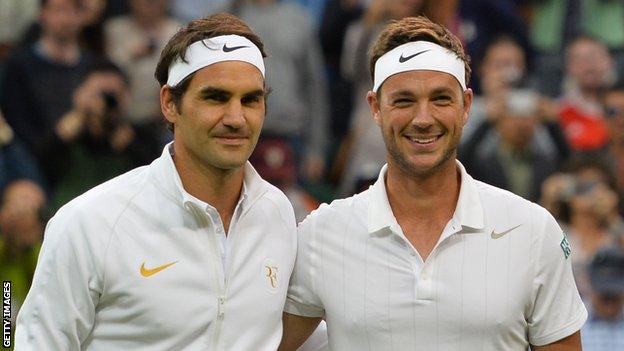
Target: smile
x=423 y=140
x=231 y=140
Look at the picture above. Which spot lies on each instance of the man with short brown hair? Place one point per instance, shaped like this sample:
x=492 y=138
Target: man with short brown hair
x=428 y=258
x=192 y=252
x=39 y=79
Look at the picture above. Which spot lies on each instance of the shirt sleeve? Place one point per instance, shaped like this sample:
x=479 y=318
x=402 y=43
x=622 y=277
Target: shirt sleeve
x=557 y=307
x=59 y=310
x=302 y=299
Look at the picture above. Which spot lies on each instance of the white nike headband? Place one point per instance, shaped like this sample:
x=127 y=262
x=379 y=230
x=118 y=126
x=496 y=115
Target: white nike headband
x=206 y=52
x=419 y=55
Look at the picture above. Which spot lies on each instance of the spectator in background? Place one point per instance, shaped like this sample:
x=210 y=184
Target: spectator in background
x=482 y=21
x=95 y=142
x=134 y=43
x=40 y=79
x=15 y=16
x=589 y=72
x=554 y=24
x=22 y=200
x=364 y=152
x=93 y=16
x=90 y=14
x=337 y=17
x=15 y=161
x=297 y=110
x=614 y=111
x=604 y=330
x=274 y=159
x=21 y=231
x=585 y=201
x=502 y=68
x=505 y=151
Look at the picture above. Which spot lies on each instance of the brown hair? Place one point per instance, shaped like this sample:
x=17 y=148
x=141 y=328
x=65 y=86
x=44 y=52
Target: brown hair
x=207 y=27
x=411 y=29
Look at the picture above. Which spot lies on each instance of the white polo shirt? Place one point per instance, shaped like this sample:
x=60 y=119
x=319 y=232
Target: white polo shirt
x=136 y=264
x=498 y=278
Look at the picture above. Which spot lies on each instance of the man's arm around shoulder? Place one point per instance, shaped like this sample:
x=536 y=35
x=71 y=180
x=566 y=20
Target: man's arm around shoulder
x=570 y=343
x=297 y=329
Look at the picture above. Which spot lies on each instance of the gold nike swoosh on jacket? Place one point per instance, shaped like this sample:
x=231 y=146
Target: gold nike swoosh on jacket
x=146 y=272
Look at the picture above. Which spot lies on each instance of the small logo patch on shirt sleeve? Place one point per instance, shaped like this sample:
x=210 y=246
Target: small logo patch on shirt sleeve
x=565 y=246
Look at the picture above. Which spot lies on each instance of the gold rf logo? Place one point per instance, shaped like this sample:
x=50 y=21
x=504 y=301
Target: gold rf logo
x=271 y=274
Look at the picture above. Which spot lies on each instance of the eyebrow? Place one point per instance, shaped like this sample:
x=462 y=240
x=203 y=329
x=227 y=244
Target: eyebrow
x=255 y=93
x=442 y=90
x=408 y=93
x=400 y=93
x=209 y=91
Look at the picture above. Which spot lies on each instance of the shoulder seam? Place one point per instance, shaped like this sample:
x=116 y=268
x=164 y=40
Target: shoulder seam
x=112 y=231
x=275 y=203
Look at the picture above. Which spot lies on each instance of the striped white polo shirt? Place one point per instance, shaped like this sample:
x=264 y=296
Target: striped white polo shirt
x=499 y=277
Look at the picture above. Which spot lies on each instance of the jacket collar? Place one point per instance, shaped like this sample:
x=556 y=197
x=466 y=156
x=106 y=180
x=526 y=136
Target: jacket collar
x=167 y=178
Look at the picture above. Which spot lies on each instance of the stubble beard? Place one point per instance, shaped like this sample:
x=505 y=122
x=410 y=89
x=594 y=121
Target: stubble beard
x=410 y=169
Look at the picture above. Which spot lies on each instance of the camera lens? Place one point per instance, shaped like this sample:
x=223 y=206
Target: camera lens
x=110 y=99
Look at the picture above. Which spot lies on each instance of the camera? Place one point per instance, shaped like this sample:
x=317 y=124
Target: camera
x=110 y=118
x=110 y=100
x=522 y=102
x=574 y=187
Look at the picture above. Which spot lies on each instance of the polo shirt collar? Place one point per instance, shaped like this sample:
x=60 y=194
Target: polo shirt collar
x=468 y=213
x=469 y=210
x=380 y=214
x=167 y=177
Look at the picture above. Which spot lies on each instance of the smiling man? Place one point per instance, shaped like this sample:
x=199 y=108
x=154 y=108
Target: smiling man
x=192 y=252
x=428 y=258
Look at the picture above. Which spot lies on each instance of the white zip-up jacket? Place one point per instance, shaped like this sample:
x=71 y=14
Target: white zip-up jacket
x=135 y=264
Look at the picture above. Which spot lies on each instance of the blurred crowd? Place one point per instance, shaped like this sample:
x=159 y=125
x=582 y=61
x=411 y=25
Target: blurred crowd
x=79 y=105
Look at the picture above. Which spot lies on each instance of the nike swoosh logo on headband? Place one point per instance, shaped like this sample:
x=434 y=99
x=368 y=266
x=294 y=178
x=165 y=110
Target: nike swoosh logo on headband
x=407 y=58
x=227 y=49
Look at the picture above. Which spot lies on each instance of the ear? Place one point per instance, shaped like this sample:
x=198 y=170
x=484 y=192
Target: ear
x=373 y=104
x=167 y=105
x=467 y=96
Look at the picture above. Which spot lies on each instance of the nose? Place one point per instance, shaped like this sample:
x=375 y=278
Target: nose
x=422 y=118
x=234 y=115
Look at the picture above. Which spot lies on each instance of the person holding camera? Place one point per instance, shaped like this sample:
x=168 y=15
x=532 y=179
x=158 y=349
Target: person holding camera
x=502 y=67
x=518 y=145
x=585 y=201
x=94 y=141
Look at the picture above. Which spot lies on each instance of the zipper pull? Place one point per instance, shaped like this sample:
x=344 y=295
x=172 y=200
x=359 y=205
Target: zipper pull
x=220 y=311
